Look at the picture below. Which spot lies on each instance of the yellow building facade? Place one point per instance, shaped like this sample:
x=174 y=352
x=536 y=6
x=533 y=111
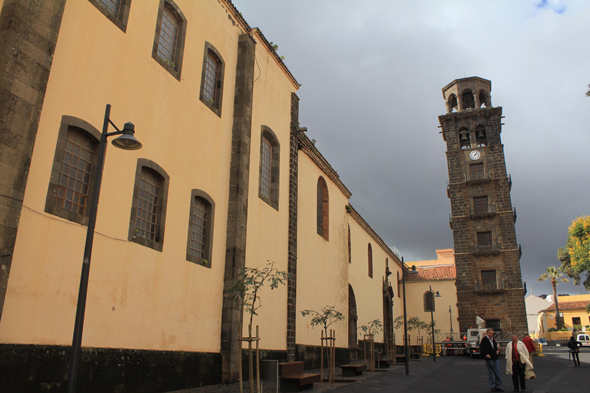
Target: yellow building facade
x=439 y=276
x=226 y=180
x=572 y=310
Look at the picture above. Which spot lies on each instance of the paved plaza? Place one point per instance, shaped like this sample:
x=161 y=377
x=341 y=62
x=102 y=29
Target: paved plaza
x=555 y=374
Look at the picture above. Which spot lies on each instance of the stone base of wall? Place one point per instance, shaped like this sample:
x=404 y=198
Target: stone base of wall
x=44 y=368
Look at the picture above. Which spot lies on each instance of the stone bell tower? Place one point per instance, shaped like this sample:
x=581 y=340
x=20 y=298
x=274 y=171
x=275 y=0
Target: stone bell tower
x=487 y=257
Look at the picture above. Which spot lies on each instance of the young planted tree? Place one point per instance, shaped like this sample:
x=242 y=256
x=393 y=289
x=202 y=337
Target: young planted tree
x=246 y=292
x=554 y=274
x=326 y=317
x=250 y=281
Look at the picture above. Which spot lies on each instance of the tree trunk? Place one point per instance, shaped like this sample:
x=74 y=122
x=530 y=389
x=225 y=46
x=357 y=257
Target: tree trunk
x=557 y=316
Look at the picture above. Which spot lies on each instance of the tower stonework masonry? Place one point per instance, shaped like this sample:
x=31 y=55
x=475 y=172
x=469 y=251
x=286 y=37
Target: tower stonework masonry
x=487 y=256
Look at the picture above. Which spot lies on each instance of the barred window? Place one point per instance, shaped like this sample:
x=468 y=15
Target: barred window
x=484 y=240
x=168 y=37
x=148 y=208
x=265 y=168
x=198 y=228
x=117 y=11
x=322 y=211
x=480 y=204
x=476 y=171
x=147 y=204
x=74 y=181
x=488 y=279
x=349 y=247
x=429 y=302
x=112 y=6
x=212 y=79
x=370 y=260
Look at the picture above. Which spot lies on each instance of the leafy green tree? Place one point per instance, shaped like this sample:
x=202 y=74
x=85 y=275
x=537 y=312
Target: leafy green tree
x=326 y=316
x=575 y=258
x=554 y=274
x=588 y=92
x=372 y=327
x=249 y=282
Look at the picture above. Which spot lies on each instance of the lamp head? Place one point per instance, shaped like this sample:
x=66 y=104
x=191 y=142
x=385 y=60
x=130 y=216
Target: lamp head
x=127 y=141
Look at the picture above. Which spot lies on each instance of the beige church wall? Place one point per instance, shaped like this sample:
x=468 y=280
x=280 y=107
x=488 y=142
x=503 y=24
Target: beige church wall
x=267 y=238
x=415 y=301
x=369 y=291
x=138 y=297
x=322 y=266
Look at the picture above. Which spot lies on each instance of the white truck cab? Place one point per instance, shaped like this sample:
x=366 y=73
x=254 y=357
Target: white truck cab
x=584 y=339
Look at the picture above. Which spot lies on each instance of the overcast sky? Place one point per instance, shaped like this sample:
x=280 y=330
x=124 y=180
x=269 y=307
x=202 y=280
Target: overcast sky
x=372 y=73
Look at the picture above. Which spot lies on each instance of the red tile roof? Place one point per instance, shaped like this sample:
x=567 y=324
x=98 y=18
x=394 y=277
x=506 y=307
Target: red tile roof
x=563 y=306
x=433 y=273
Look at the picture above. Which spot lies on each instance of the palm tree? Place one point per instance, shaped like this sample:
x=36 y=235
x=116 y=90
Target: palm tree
x=553 y=273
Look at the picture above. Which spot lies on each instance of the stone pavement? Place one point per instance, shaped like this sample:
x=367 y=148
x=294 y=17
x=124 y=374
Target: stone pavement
x=555 y=374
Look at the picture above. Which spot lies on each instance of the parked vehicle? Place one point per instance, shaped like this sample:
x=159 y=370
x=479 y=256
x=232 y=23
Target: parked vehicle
x=584 y=339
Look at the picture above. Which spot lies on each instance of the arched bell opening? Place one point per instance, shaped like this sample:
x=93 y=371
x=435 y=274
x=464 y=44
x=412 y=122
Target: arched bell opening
x=467 y=99
x=484 y=99
x=481 y=138
x=464 y=140
x=452 y=104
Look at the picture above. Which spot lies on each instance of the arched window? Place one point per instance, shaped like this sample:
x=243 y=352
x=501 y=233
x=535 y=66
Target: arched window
x=268 y=189
x=200 y=229
x=428 y=301
x=323 y=209
x=349 y=247
x=464 y=139
x=72 y=175
x=452 y=103
x=370 y=258
x=481 y=138
x=212 y=79
x=117 y=11
x=467 y=99
x=148 y=209
x=169 y=40
x=398 y=284
x=483 y=98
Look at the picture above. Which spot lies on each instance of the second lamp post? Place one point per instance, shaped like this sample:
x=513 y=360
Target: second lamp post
x=432 y=321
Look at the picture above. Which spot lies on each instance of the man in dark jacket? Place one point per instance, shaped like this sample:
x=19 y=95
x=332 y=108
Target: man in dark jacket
x=489 y=350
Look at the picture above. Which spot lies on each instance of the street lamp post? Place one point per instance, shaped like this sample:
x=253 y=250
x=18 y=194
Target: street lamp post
x=432 y=321
x=127 y=142
x=451 y=321
x=406 y=270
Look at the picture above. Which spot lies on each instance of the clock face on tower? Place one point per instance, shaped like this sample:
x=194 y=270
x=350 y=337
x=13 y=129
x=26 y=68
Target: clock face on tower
x=475 y=155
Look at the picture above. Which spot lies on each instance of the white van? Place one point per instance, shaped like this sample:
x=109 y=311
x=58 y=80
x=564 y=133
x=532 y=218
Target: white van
x=584 y=339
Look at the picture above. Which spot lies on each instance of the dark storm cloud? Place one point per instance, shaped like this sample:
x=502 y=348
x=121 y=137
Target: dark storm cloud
x=372 y=74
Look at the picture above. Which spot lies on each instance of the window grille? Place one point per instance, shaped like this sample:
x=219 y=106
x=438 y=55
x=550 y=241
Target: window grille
x=168 y=37
x=147 y=204
x=476 y=171
x=198 y=228
x=74 y=180
x=320 y=215
x=488 y=279
x=480 y=204
x=113 y=6
x=266 y=168
x=484 y=240
x=211 y=78
x=428 y=302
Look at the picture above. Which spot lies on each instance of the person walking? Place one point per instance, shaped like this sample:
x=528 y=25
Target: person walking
x=517 y=359
x=530 y=346
x=574 y=346
x=489 y=350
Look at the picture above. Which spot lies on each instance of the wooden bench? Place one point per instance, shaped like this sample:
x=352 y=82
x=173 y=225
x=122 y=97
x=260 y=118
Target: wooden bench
x=293 y=379
x=352 y=370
